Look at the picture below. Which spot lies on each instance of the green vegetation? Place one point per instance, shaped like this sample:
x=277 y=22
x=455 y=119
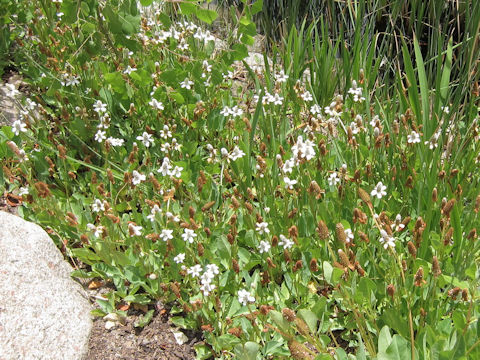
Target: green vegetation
x=324 y=208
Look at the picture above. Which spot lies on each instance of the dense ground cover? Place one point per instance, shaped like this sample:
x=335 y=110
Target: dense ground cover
x=328 y=213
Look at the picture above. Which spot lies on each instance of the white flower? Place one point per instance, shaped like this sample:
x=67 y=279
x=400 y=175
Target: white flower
x=135 y=230
x=11 y=90
x=146 y=139
x=315 y=109
x=129 y=70
x=207 y=288
x=153 y=212
x=212 y=269
x=225 y=111
x=288 y=166
x=387 y=240
x=180 y=258
x=156 y=104
x=379 y=190
x=207 y=66
x=263 y=247
x=166 y=167
x=445 y=109
x=137 y=177
x=166 y=234
x=236 y=111
x=18 y=127
x=172 y=217
x=281 y=77
x=262 y=228
x=98 y=230
x=99 y=107
x=115 y=142
x=285 y=242
x=189 y=235
x=100 y=136
x=176 y=172
x=186 y=84
x=333 y=179
x=23 y=191
x=98 y=206
x=236 y=154
x=306 y=96
x=194 y=270
x=289 y=183
x=413 y=138
x=165 y=132
x=228 y=75
x=244 y=297
x=349 y=234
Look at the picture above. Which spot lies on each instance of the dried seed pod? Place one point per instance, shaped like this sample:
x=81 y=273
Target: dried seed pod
x=235 y=266
x=236 y=331
x=274 y=240
x=412 y=249
x=363 y=236
x=313 y=265
x=362 y=194
x=477 y=204
x=344 y=258
x=208 y=206
x=200 y=249
x=436 y=267
x=298 y=351
x=270 y=263
x=288 y=314
x=298 y=265
x=465 y=295
x=472 y=235
x=359 y=269
x=293 y=232
x=419 y=281
x=448 y=237
x=434 y=195
x=453 y=293
x=322 y=230
x=340 y=232
x=391 y=290
x=448 y=208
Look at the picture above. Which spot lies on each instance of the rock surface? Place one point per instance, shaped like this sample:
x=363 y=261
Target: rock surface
x=44 y=314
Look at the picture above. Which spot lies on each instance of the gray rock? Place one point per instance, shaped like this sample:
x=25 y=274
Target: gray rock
x=44 y=313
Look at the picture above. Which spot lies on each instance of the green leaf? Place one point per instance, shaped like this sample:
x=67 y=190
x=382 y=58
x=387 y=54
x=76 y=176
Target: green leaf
x=248 y=351
x=206 y=15
x=327 y=272
x=310 y=318
x=187 y=8
x=146 y=2
x=227 y=341
x=422 y=78
x=144 y=319
x=384 y=339
x=256 y=7
x=399 y=349
x=447 y=66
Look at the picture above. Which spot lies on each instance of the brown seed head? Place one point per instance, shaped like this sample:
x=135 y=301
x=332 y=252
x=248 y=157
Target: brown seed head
x=391 y=290
x=448 y=208
x=362 y=194
x=340 y=232
x=288 y=314
x=313 y=265
x=343 y=258
x=419 y=277
x=412 y=249
x=322 y=230
x=436 y=267
x=298 y=351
